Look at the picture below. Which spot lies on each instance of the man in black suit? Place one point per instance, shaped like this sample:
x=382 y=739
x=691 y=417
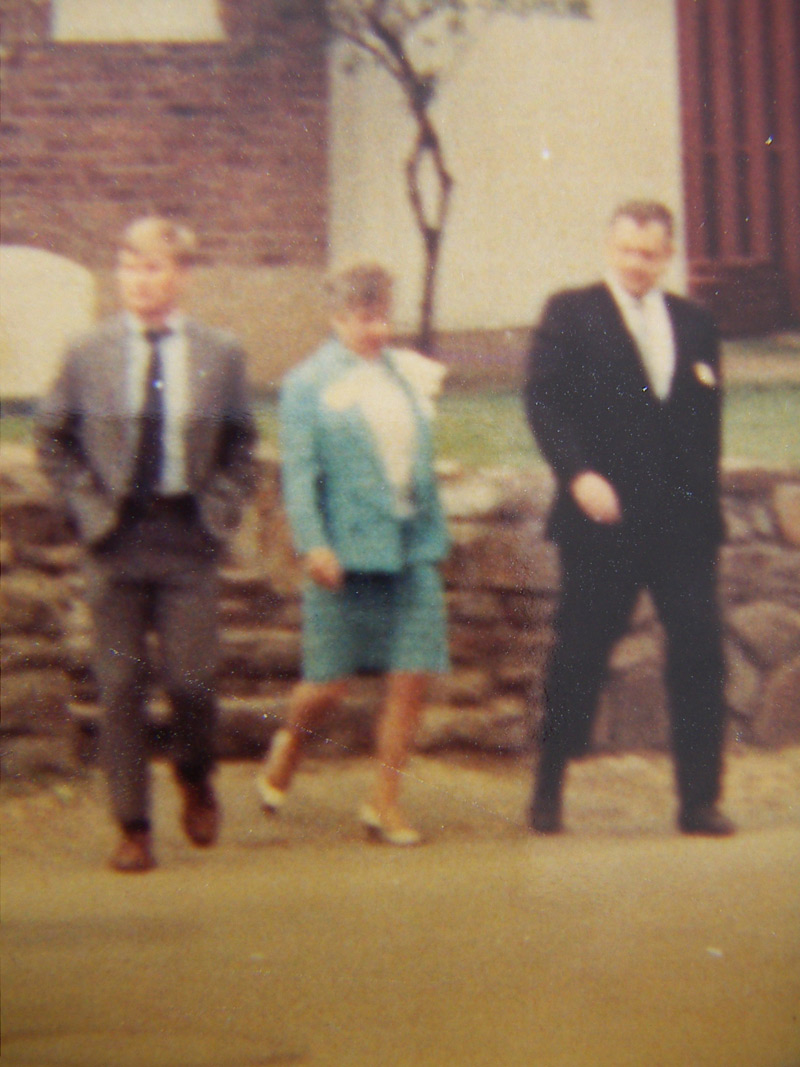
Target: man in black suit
x=148 y=436
x=624 y=400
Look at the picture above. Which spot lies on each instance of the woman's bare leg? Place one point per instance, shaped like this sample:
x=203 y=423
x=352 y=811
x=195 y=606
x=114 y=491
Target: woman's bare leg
x=309 y=702
x=395 y=731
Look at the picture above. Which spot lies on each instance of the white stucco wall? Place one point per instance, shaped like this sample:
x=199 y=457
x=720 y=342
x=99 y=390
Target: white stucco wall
x=135 y=20
x=46 y=300
x=547 y=124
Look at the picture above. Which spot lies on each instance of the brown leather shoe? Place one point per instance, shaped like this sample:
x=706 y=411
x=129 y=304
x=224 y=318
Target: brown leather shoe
x=134 y=854
x=201 y=816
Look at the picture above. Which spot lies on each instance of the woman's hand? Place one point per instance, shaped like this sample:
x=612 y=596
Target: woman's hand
x=596 y=497
x=323 y=567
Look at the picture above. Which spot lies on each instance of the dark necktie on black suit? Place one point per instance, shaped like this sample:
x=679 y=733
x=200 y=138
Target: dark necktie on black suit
x=149 y=455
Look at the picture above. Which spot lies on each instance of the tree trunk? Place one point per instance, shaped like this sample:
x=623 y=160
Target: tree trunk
x=431 y=229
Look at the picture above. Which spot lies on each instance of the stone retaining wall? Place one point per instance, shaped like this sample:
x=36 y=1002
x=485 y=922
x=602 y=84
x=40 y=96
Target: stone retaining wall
x=502 y=581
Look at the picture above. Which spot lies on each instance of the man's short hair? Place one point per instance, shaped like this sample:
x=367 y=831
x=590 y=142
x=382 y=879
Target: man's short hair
x=153 y=233
x=363 y=286
x=644 y=212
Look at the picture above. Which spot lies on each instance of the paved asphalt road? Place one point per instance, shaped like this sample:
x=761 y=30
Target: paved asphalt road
x=619 y=944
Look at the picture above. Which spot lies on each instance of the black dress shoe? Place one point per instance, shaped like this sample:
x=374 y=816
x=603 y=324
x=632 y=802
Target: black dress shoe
x=706 y=820
x=545 y=815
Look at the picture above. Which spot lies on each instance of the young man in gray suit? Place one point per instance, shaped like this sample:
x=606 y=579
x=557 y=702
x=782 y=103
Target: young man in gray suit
x=624 y=399
x=148 y=436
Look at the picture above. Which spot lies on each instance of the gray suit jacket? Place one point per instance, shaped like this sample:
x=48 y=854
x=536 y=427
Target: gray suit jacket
x=87 y=435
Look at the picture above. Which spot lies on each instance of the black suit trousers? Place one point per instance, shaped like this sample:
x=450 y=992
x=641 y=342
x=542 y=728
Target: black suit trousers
x=601 y=578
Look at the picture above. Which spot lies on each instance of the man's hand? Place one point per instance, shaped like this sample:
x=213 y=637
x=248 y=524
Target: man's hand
x=596 y=497
x=323 y=567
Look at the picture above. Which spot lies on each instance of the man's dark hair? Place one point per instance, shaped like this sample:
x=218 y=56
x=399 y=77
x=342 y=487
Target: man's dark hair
x=645 y=211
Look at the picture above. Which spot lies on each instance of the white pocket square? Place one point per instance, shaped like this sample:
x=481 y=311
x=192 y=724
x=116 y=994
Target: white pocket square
x=705 y=374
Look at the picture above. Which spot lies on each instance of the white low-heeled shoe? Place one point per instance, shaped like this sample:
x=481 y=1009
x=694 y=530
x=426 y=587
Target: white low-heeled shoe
x=272 y=798
x=371 y=821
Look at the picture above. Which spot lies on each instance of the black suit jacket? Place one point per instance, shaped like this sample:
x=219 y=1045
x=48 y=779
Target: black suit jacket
x=590 y=407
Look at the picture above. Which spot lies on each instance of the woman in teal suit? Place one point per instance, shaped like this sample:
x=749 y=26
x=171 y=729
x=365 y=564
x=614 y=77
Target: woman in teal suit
x=361 y=496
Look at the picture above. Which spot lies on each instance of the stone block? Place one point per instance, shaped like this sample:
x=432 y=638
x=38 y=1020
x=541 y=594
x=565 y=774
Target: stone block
x=260 y=653
x=461 y=686
x=529 y=611
x=510 y=725
x=8 y=557
x=635 y=649
x=34 y=702
x=250 y=585
x=245 y=726
x=510 y=559
x=56 y=559
x=759 y=571
x=769 y=631
x=28 y=758
x=21 y=652
x=514 y=674
x=473 y=642
x=472 y=496
x=502 y=727
x=746 y=518
x=750 y=479
x=36 y=522
x=31 y=603
x=742 y=683
x=466 y=605
x=777 y=721
x=786 y=504
x=633 y=711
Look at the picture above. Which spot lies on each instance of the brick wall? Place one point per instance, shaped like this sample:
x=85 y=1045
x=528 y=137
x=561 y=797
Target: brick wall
x=230 y=138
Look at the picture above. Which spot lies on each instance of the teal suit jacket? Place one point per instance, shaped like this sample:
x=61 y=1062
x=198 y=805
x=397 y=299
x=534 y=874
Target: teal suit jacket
x=335 y=488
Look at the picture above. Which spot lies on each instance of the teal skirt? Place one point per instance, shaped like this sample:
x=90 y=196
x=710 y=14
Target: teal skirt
x=375 y=624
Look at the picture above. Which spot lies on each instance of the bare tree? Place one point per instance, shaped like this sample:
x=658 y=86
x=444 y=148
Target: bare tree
x=406 y=38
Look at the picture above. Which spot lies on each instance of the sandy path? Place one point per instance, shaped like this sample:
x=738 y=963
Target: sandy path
x=619 y=944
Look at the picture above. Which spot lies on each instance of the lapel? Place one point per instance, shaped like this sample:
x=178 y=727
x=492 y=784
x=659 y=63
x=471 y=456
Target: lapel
x=113 y=403
x=205 y=404
x=626 y=351
x=421 y=458
x=683 y=342
x=110 y=370
x=617 y=343
x=202 y=367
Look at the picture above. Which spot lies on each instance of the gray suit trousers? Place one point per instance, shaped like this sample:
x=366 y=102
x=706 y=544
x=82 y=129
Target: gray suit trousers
x=156 y=573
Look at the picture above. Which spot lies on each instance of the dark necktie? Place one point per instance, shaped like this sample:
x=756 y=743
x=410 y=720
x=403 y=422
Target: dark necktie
x=147 y=472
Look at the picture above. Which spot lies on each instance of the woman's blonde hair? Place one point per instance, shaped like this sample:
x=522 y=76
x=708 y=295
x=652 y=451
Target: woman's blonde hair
x=363 y=285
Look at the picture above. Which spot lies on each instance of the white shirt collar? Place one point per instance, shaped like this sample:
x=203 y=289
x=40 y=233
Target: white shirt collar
x=627 y=300
x=174 y=322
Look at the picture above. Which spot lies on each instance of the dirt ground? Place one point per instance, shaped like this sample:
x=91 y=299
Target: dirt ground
x=618 y=944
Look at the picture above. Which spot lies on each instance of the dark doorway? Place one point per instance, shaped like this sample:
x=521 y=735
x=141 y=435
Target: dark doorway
x=740 y=100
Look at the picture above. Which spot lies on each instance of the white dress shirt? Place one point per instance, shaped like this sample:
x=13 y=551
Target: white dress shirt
x=174 y=363
x=387 y=410
x=648 y=321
